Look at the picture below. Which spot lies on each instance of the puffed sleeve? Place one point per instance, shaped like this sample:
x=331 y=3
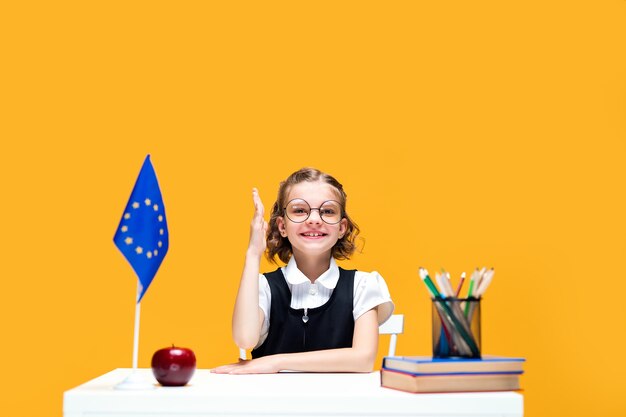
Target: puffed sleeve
x=265 y=301
x=370 y=290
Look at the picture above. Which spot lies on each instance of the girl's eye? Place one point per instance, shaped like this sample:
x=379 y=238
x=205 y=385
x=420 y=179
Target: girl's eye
x=298 y=210
x=328 y=212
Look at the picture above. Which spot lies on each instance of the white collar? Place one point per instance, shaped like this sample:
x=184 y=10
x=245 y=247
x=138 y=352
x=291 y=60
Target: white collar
x=328 y=279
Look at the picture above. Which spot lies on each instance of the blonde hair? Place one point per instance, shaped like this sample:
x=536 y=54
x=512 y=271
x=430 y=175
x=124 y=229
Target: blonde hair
x=277 y=245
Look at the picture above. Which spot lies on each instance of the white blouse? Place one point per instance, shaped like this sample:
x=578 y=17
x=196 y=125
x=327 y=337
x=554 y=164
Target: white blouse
x=370 y=290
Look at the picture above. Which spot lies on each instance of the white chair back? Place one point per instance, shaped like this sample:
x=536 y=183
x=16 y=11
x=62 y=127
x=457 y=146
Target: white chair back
x=394 y=326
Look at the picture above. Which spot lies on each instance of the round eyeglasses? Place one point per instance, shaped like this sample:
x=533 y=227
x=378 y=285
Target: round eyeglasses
x=298 y=211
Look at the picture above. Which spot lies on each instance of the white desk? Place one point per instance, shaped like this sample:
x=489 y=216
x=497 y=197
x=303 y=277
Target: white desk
x=284 y=394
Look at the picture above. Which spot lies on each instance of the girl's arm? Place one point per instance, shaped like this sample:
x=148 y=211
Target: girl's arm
x=359 y=358
x=247 y=316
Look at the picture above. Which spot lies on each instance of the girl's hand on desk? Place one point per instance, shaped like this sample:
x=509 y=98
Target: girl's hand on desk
x=258 y=227
x=264 y=365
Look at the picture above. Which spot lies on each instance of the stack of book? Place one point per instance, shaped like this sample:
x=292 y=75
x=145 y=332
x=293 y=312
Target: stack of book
x=427 y=374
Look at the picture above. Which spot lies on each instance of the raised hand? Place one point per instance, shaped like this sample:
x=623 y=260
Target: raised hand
x=247 y=316
x=258 y=227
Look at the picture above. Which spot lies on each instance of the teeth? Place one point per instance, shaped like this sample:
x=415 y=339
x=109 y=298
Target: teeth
x=313 y=234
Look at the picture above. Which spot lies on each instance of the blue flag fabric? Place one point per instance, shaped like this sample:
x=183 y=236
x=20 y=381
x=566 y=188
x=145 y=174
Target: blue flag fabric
x=142 y=235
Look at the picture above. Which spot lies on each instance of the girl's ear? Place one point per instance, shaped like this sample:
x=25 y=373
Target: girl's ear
x=280 y=222
x=343 y=226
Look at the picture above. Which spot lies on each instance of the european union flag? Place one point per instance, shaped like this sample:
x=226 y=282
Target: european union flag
x=142 y=235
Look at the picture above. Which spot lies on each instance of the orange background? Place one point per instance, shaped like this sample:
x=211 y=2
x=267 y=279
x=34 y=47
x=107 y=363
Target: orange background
x=466 y=134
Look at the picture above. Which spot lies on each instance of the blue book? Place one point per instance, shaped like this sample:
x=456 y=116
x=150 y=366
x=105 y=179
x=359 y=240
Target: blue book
x=427 y=365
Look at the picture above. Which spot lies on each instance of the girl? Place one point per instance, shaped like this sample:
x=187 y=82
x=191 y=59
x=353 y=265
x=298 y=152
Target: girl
x=309 y=315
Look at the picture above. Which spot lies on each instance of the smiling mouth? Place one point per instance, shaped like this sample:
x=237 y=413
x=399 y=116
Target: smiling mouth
x=313 y=234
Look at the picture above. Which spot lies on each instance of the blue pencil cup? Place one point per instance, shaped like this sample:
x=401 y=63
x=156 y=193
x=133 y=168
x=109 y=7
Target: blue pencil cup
x=456 y=327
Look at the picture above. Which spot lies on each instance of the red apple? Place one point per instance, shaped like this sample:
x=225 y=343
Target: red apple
x=173 y=366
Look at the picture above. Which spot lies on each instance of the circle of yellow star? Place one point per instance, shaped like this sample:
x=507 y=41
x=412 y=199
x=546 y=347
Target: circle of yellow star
x=139 y=250
x=127 y=216
x=124 y=228
x=147 y=201
x=128 y=240
x=135 y=205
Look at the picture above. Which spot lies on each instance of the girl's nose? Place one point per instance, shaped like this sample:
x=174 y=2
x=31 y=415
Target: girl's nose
x=316 y=219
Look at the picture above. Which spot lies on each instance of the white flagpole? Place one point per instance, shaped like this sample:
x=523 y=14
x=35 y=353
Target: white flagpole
x=136 y=333
x=135 y=381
